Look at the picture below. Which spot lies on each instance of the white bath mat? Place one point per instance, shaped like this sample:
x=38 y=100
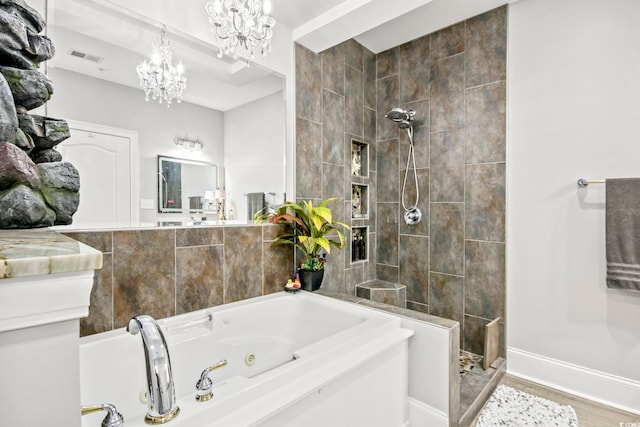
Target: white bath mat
x=510 y=407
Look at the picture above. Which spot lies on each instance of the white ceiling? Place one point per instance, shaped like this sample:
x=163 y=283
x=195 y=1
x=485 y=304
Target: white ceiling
x=294 y=13
x=123 y=40
x=376 y=24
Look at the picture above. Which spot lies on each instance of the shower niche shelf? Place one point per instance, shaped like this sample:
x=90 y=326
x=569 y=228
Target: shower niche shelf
x=359 y=201
x=359 y=158
x=359 y=244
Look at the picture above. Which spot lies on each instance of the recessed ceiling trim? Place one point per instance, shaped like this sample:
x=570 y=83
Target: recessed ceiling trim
x=238 y=66
x=424 y=20
x=348 y=20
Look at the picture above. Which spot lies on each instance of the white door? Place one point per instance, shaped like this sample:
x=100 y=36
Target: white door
x=103 y=161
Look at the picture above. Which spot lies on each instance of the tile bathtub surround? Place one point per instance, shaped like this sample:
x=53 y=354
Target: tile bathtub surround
x=169 y=271
x=145 y=264
x=452 y=263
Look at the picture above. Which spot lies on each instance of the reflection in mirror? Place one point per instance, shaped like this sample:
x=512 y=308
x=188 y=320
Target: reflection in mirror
x=186 y=186
x=106 y=159
x=237 y=112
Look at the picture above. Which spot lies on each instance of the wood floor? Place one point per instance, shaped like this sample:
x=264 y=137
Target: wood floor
x=590 y=414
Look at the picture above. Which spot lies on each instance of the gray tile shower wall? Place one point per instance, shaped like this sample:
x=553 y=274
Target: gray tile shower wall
x=341 y=82
x=452 y=263
x=165 y=272
x=455 y=79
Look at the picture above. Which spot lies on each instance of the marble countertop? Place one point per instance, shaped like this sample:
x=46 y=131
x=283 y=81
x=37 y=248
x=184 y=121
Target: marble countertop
x=42 y=251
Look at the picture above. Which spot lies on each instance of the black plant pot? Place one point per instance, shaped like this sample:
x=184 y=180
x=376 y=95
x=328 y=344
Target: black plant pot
x=310 y=280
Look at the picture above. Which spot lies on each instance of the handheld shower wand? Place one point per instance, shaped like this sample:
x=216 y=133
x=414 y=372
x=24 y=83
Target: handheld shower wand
x=404 y=120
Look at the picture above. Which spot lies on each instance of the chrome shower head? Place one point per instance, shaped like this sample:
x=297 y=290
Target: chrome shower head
x=404 y=124
x=402 y=117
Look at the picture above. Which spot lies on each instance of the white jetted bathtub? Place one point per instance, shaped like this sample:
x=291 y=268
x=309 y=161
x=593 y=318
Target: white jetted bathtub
x=293 y=360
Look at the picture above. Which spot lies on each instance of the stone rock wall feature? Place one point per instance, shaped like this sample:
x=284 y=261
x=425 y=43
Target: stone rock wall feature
x=13 y=41
x=8 y=117
x=41 y=48
x=20 y=47
x=60 y=185
x=48 y=132
x=32 y=19
x=46 y=156
x=23 y=141
x=16 y=167
x=23 y=207
x=30 y=88
x=37 y=189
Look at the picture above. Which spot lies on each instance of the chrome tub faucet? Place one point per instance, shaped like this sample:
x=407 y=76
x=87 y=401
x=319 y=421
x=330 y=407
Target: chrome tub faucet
x=161 y=396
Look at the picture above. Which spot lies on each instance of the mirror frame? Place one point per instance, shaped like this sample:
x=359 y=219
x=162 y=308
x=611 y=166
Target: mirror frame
x=182 y=209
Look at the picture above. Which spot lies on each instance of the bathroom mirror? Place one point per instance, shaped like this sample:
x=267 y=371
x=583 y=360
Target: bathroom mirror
x=182 y=184
x=236 y=111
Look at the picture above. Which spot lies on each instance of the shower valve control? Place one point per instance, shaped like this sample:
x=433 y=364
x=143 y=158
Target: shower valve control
x=412 y=216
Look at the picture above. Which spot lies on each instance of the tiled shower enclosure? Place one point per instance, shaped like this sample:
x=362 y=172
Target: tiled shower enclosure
x=452 y=262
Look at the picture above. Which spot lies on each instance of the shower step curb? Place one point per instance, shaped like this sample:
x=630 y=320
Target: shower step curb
x=382 y=291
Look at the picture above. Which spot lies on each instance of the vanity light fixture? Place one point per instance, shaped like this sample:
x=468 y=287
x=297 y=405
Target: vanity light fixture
x=159 y=78
x=189 y=144
x=241 y=26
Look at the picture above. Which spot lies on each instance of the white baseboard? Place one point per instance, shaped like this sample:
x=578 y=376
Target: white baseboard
x=610 y=390
x=421 y=414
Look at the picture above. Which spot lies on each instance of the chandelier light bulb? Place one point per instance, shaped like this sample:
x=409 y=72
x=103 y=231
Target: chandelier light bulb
x=217 y=6
x=156 y=59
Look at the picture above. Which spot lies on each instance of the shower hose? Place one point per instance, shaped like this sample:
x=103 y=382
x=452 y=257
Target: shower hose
x=410 y=158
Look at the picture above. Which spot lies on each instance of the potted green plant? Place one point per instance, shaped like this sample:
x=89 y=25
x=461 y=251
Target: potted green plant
x=312 y=230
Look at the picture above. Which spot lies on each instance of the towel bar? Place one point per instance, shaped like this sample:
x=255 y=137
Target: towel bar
x=583 y=182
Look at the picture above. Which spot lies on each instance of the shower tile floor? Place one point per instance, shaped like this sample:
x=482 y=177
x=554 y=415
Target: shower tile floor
x=477 y=384
x=469 y=361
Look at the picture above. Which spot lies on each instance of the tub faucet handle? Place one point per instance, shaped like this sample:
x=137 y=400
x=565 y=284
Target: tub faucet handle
x=204 y=386
x=113 y=417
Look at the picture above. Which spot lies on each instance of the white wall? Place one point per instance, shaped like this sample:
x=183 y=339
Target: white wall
x=84 y=98
x=254 y=146
x=574 y=111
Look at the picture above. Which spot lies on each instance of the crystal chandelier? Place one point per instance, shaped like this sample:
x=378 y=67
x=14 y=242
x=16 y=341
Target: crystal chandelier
x=241 y=26
x=158 y=77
